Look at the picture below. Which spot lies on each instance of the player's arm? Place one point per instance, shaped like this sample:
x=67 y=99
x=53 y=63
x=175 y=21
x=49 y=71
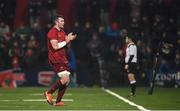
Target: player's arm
x=132 y=52
x=130 y=57
x=58 y=45
x=70 y=37
x=129 y=61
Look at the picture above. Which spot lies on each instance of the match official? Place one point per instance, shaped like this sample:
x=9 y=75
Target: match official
x=131 y=63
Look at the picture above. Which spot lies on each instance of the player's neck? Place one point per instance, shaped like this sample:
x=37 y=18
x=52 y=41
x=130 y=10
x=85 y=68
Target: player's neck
x=59 y=29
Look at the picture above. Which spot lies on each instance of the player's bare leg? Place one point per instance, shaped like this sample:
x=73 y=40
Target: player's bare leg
x=65 y=81
x=48 y=94
x=132 y=84
x=64 y=75
x=61 y=84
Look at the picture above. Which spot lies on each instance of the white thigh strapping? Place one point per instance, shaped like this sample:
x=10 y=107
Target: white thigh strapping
x=63 y=73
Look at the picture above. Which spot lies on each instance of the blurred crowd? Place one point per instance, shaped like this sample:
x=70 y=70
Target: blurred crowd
x=99 y=49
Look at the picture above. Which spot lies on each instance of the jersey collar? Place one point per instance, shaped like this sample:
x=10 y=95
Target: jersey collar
x=131 y=43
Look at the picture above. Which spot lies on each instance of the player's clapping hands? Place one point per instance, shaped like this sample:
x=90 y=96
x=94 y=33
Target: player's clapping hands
x=71 y=36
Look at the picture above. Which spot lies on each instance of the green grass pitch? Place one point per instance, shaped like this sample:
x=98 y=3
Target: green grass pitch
x=32 y=98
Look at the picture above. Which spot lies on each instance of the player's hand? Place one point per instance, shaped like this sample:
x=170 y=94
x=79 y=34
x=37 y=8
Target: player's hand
x=126 y=67
x=71 y=36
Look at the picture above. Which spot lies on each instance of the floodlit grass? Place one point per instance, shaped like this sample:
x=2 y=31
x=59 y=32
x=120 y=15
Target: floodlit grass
x=90 y=99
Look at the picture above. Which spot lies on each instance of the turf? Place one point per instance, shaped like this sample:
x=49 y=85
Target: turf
x=162 y=98
x=90 y=99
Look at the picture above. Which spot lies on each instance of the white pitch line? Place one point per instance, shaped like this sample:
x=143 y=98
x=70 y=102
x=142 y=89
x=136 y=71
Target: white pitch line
x=8 y=100
x=35 y=100
x=40 y=94
x=68 y=94
x=36 y=94
x=70 y=100
x=126 y=100
x=13 y=106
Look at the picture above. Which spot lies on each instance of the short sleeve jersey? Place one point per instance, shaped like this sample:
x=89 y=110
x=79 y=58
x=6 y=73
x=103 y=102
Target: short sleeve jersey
x=60 y=55
x=131 y=50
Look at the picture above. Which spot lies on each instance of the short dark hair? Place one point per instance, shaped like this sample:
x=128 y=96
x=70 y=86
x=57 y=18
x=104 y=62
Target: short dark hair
x=130 y=36
x=57 y=16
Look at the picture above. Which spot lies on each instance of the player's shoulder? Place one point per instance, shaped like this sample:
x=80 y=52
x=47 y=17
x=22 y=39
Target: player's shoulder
x=131 y=45
x=53 y=30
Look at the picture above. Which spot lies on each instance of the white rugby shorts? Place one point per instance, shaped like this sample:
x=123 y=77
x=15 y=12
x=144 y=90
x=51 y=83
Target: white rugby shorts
x=63 y=73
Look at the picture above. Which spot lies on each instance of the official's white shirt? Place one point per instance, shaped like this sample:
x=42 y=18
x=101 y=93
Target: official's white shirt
x=131 y=50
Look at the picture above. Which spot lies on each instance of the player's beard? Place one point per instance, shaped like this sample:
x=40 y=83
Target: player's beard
x=61 y=26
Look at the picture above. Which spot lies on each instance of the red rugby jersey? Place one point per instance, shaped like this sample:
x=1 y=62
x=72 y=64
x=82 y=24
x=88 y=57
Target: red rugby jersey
x=60 y=55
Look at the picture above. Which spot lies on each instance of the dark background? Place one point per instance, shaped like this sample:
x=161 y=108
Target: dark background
x=97 y=55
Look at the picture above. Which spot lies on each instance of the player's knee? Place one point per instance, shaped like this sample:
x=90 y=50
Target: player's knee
x=65 y=80
x=131 y=77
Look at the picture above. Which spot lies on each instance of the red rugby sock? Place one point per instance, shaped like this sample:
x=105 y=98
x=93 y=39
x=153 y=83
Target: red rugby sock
x=60 y=93
x=55 y=86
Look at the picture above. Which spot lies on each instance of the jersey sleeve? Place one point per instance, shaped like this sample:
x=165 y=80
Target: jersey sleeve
x=52 y=34
x=132 y=50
